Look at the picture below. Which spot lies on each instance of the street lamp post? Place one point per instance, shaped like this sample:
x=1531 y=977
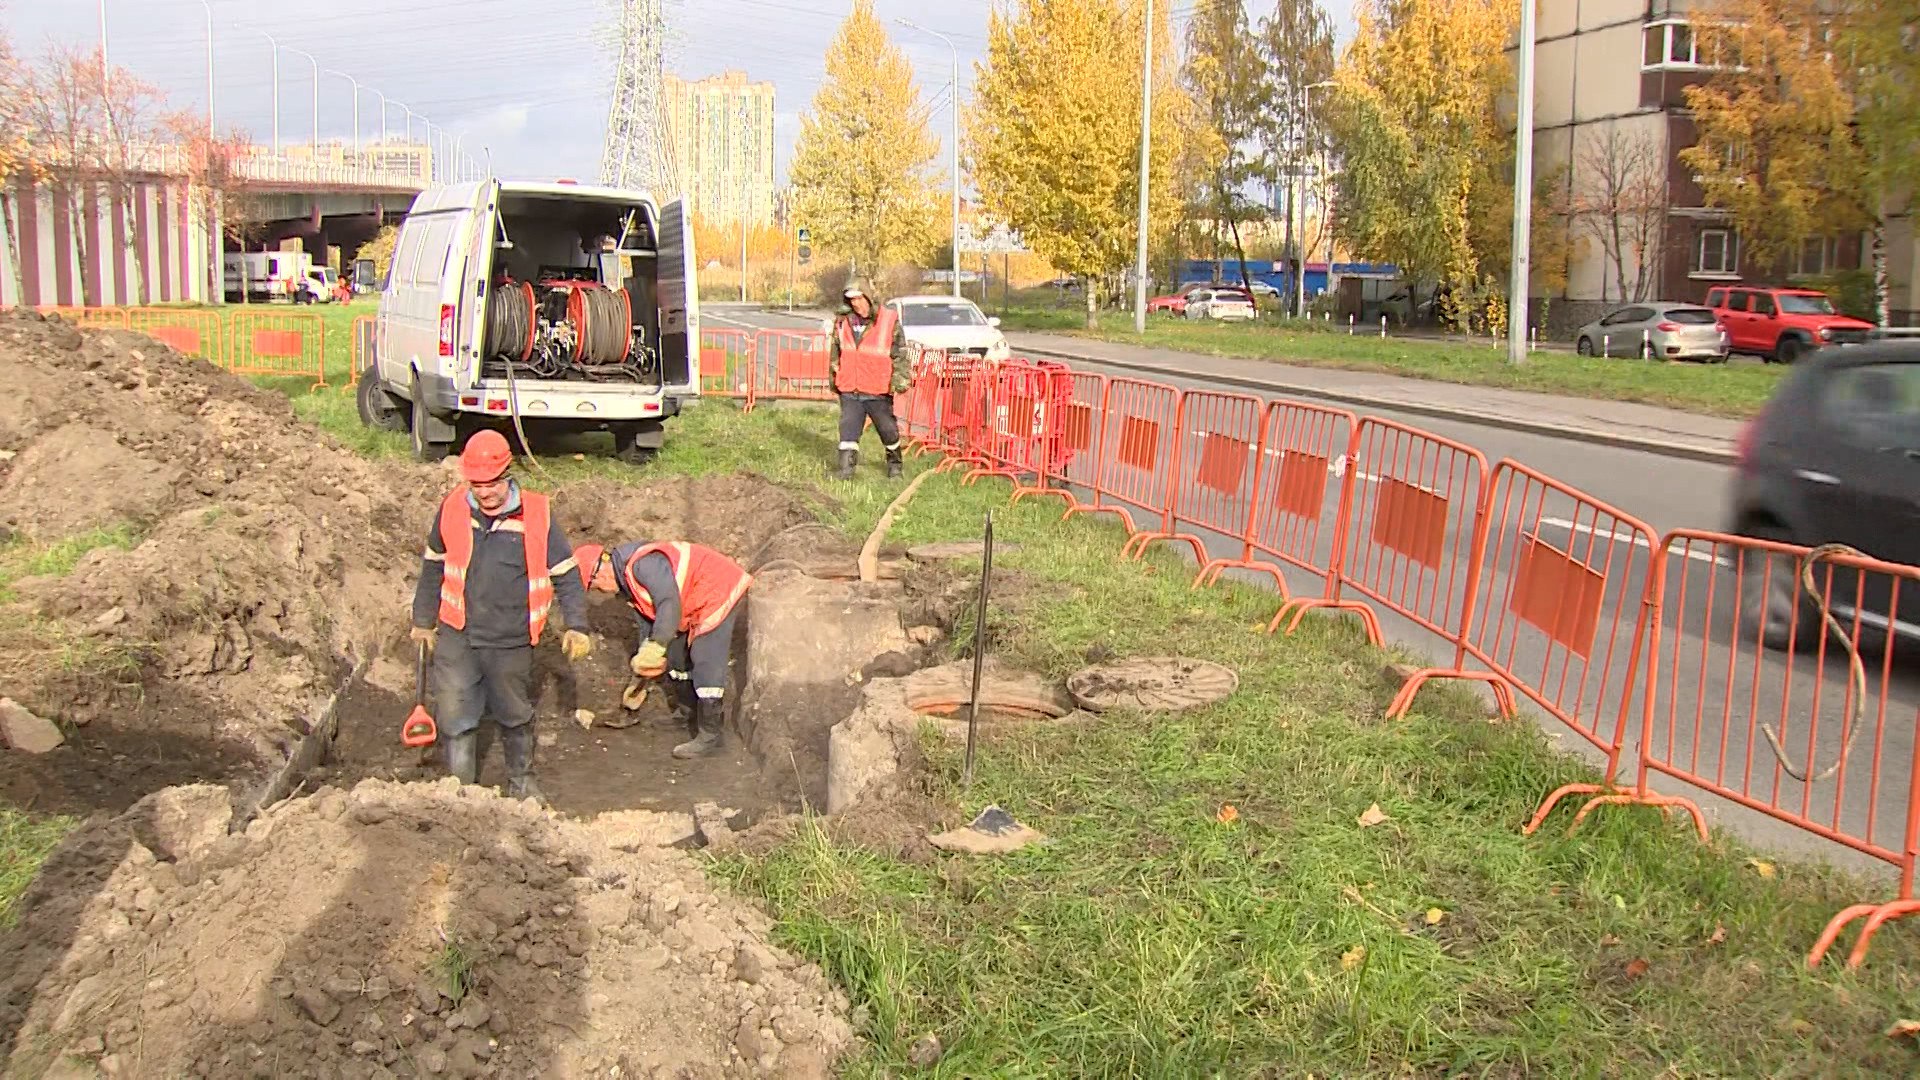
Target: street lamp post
x=1517 y=309
x=275 y=42
x=106 y=68
x=383 y=114
x=1297 y=298
x=210 y=121
x=953 y=142
x=1146 y=150
x=356 y=108
x=315 y=144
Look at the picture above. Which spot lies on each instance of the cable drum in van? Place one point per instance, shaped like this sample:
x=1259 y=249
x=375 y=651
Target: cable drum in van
x=603 y=325
x=510 y=323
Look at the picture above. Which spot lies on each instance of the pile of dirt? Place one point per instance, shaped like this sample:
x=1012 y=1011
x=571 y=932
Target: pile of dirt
x=397 y=930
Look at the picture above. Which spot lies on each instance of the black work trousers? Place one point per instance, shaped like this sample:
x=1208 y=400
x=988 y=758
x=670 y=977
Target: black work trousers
x=473 y=684
x=703 y=660
x=857 y=409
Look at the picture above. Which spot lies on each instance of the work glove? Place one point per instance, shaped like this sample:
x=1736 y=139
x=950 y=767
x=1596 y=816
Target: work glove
x=575 y=646
x=650 y=660
x=424 y=635
x=634 y=696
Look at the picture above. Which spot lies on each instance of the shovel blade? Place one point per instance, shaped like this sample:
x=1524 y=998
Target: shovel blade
x=419 y=730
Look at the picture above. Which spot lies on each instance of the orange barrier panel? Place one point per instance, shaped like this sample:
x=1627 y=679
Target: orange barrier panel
x=185 y=331
x=1303 y=448
x=265 y=343
x=1409 y=511
x=1751 y=697
x=1019 y=435
x=1137 y=427
x=360 y=344
x=964 y=415
x=1220 y=438
x=1560 y=610
x=919 y=408
x=726 y=363
x=790 y=365
x=1076 y=402
x=99 y=318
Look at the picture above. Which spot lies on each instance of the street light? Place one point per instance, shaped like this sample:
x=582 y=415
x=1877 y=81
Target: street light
x=1146 y=149
x=209 y=10
x=275 y=42
x=316 y=99
x=953 y=142
x=1517 y=313
x=356 y=108
x=106 y=69
x=1297 y=300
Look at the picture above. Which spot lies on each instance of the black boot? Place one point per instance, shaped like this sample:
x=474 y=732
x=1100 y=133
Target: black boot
x=707 y=715
x=848 y=459
x=517 y=745
x=482 y=746
x=463 y=760
x=685 y=705
x=895 y=467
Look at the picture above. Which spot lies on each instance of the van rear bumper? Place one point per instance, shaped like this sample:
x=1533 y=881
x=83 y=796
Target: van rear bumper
x=568 y=402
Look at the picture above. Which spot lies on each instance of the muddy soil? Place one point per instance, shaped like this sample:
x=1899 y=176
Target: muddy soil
x=396 y=931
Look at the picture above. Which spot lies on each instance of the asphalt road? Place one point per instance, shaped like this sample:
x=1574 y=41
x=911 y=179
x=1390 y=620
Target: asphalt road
x=1702 y=672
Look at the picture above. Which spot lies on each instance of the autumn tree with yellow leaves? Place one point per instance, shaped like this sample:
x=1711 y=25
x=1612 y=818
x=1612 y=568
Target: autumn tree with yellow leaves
x=1054 y=133
x=863 y=174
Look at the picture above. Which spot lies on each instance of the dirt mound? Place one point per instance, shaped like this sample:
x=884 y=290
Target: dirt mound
x=397 y=930
x=735 y=514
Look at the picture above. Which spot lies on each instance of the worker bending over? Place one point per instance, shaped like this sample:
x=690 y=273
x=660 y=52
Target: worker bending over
x=868 y=362
x=686 y=598
x=494 y=566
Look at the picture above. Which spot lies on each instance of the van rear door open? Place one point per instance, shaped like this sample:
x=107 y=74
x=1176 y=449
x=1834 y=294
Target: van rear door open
x=679 y=302
x=473 y=258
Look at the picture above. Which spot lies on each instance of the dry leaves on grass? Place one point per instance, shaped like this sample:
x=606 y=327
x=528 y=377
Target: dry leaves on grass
x=1762 y=867
x=1719 y=935
x=1226 y=815
x=1904 y=1029
x=1436 y=916
x=1353 y=958
x=1636 y=968
x=1373 y=816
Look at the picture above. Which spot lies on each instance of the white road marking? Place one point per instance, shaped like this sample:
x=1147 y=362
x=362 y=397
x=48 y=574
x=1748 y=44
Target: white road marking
x=717 y=317
x=1630 y=538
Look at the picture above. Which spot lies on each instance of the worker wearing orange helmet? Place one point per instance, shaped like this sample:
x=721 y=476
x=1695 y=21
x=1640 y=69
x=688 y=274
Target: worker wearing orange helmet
x=495 y=564
x=686 y=598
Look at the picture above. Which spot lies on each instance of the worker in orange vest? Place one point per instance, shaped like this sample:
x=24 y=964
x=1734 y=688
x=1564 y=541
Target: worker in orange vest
x=686 y=598
x=868 y=362
x=494 y=566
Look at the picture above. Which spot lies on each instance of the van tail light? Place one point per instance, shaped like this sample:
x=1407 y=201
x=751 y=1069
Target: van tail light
x=1668 y=328
x=446 y=329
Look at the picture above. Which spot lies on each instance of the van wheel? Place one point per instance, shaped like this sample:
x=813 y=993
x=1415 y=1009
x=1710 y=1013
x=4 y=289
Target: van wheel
x=377 y=408
x=424 y=450
x=638 y=443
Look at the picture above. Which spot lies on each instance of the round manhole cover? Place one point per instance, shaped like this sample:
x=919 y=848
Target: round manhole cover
x=956 y=549
x=1152 y=684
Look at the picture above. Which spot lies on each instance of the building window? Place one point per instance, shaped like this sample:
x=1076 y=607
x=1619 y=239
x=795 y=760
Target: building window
x=1672 y=45
x=1716 y=254
x=1816 y=257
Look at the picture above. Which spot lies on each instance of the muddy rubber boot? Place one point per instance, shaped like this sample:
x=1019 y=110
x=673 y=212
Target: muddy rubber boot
x=684 y=706
x=517 y=745
x=896 y=468
x=463 y=759
x=708 y=740
x=482 y=746
x=848 y=459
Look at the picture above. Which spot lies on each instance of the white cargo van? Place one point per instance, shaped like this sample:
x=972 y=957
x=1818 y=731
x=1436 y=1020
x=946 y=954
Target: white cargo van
x=546 y=307
x=264 y=275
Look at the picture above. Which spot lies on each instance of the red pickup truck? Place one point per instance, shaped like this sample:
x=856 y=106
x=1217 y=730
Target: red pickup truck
x=1781 y=325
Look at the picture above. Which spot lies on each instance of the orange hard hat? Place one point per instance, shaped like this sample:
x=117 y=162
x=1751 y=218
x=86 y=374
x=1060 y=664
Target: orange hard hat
x=486 y=457
x=587 y=557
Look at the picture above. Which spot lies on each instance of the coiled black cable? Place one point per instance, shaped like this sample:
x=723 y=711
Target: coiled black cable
x=603 y=319
x=510 y=322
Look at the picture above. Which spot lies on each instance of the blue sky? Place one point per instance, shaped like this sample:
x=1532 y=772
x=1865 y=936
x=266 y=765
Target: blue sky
x=528 y=79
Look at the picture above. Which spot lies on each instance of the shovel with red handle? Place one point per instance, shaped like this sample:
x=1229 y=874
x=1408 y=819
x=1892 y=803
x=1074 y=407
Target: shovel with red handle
x=419 y=730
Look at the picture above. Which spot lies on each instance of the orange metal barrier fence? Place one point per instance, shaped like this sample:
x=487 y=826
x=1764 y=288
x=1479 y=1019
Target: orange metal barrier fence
x=360 y=342
x=1540 y=589
x=726 y=364
x=185 y=331
x=790 y=365
x=280 y=344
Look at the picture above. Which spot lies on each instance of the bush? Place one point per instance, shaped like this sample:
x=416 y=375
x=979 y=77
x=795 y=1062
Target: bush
x=1851 y=291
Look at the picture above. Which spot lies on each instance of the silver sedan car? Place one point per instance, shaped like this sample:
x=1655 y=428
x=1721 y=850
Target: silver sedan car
x=1658 y=331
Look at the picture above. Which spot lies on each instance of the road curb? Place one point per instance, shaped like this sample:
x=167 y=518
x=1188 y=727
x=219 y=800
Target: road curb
x=1594 y=436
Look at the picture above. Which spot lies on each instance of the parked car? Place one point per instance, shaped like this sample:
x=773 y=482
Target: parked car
x=950 y=324
x=1835 y=458
x=1222 y=304
x=1666 y=331
x=1782 y=325
x=1263 y=290
x=1175 y=303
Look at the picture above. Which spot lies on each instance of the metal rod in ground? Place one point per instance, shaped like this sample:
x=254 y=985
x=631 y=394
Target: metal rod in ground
x=979 y=649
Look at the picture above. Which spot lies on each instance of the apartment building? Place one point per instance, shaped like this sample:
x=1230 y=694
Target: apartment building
x=720 y=139
x=1610 y=105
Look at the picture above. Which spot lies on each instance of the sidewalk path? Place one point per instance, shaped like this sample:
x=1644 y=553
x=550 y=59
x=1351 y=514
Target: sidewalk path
x=1669 y=432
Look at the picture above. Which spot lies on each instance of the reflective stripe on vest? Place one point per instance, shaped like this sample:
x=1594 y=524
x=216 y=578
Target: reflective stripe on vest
x=867 y=367
x=456 y=535
x=710 y=585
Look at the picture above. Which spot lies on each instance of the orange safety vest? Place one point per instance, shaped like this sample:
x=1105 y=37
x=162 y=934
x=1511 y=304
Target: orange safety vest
x=711 y=585
x=456 y=533
x=866 y=367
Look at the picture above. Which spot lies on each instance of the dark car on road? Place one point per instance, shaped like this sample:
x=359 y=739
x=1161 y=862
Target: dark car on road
x=1835 y=458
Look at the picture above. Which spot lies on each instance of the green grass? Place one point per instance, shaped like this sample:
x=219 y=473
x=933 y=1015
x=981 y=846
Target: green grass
x=1732 y=390
x=1150 y=939
x=26 y=840
x=23 y=558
